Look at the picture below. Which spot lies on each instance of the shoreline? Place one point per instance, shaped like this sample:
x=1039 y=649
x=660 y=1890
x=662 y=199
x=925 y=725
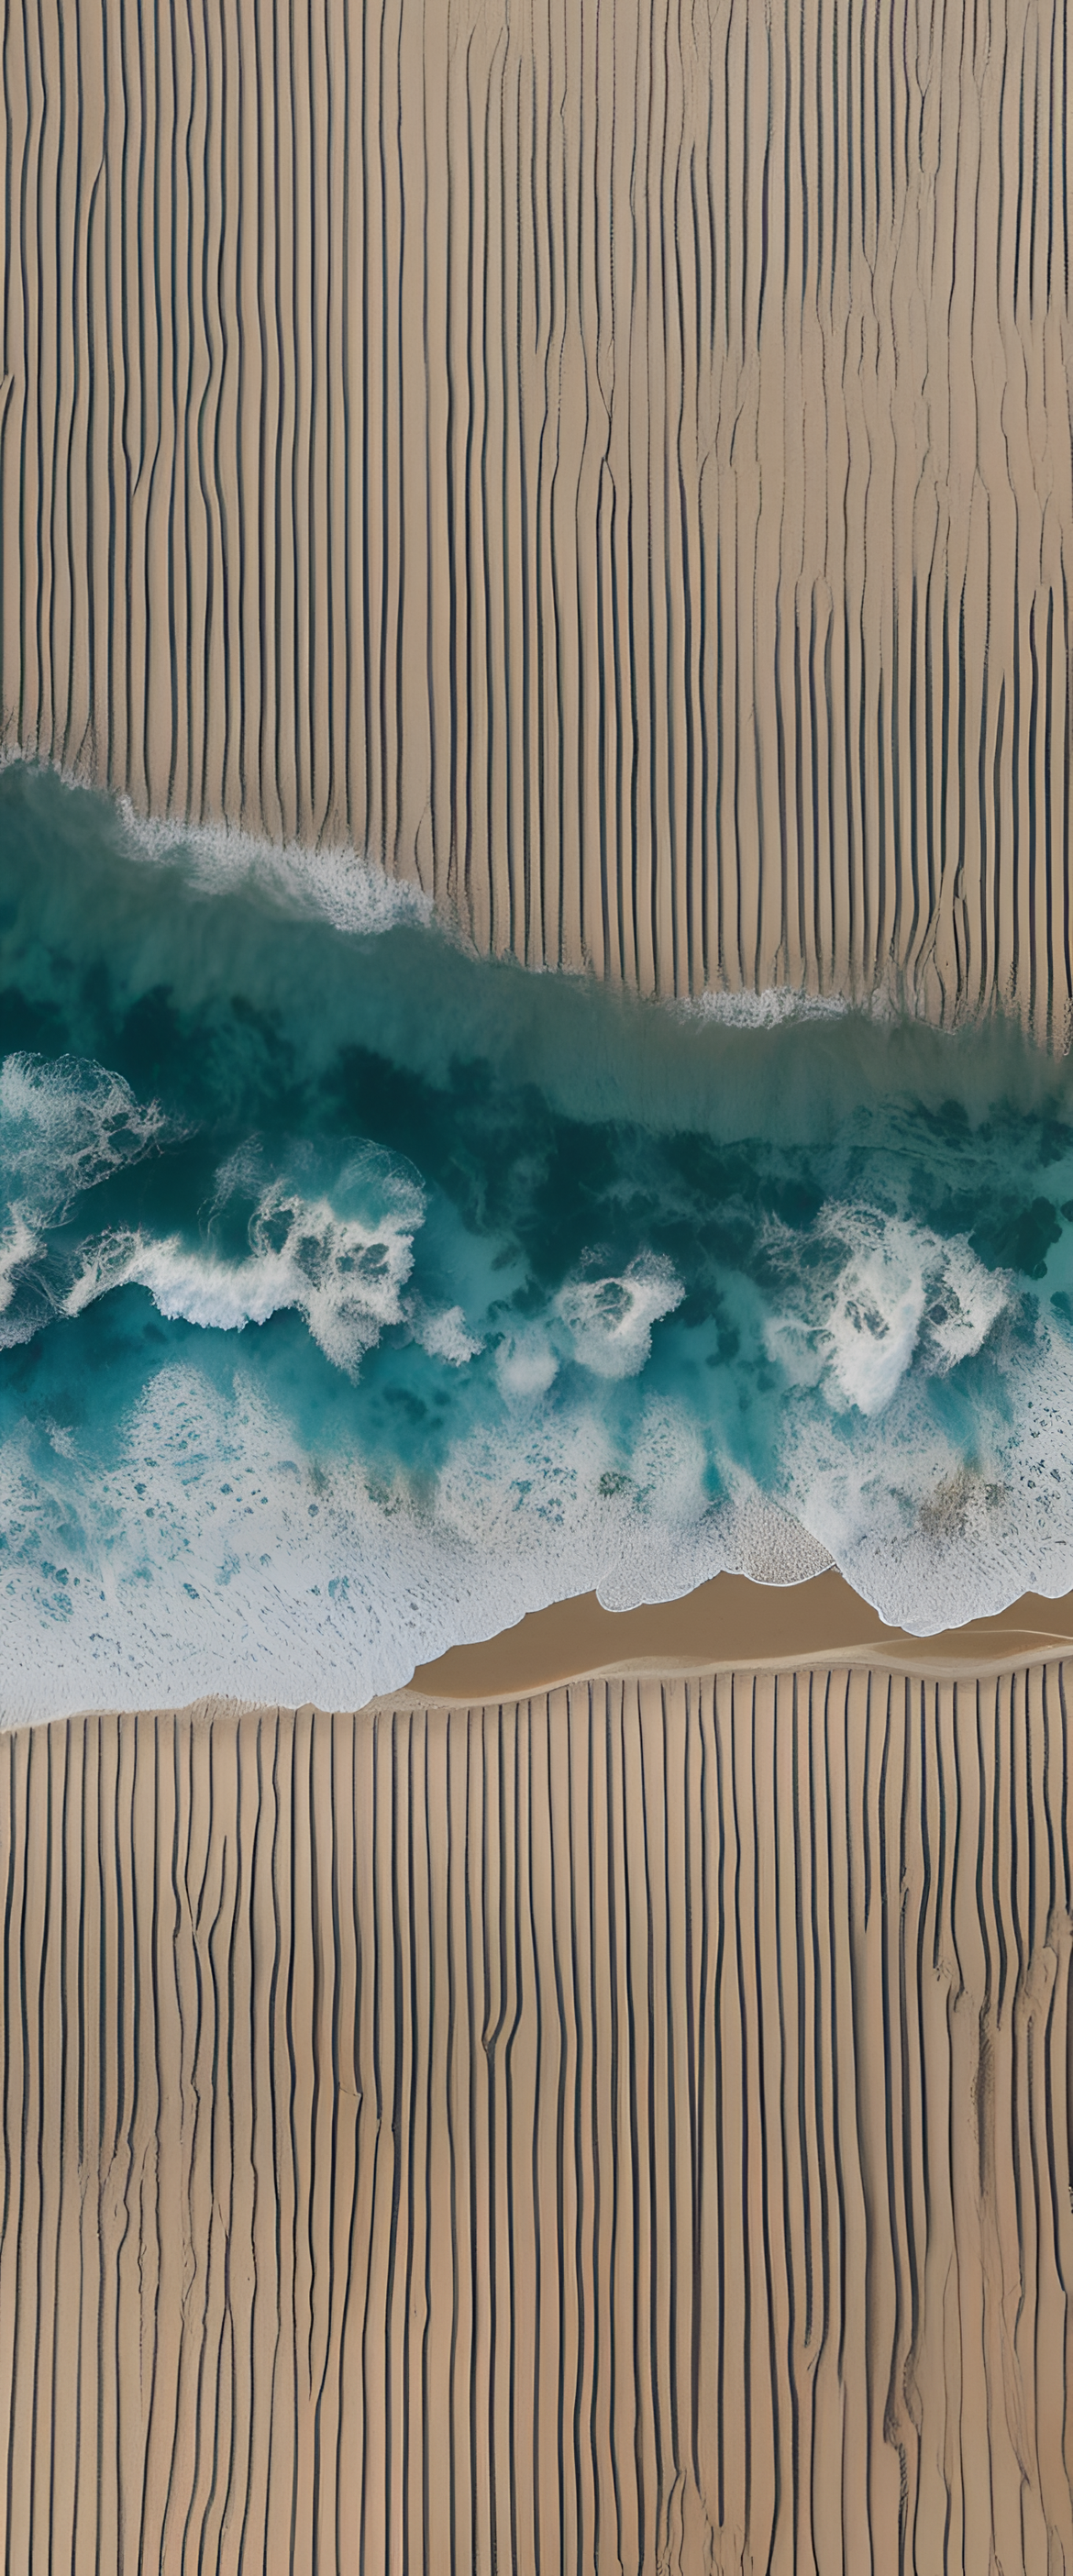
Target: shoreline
x=731 y=1624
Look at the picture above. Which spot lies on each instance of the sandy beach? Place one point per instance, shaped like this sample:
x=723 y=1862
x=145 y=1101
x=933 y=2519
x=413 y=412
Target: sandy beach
x=524 y=2122
x=623 y=2125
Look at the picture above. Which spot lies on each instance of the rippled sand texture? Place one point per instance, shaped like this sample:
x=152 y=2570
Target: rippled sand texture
x=615 y=462
x=628 y=2129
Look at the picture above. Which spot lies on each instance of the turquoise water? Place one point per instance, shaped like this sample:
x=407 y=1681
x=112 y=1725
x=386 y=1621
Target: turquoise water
x=358 y=1295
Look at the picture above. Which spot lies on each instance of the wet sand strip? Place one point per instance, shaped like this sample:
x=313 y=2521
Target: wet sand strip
x=731 y=1622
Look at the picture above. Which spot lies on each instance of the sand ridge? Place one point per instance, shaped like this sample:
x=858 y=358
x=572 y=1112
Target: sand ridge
x=612 y=465
x=624 y=2127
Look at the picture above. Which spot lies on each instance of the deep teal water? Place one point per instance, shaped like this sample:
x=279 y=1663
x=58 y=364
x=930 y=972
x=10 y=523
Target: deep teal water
x=358 y=1294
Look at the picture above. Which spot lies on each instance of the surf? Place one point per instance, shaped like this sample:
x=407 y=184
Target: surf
x=358 y=1293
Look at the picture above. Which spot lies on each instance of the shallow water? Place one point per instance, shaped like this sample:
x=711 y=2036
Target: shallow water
x=358 y=1294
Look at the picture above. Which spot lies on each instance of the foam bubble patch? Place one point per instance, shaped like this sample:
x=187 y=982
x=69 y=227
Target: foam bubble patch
x=609 y=1321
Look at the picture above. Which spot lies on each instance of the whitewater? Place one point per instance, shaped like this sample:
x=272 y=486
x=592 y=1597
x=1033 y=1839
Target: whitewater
x=359 y=1294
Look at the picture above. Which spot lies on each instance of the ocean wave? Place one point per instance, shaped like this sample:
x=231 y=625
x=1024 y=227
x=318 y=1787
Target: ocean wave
x=609 y=1321
x=357 y=1296
x=903 y=1295
x=337 y=883
x=231 y=1526
x=226 y=1536
x=66 y=1125
x=208 y=1553
x=342 y=1271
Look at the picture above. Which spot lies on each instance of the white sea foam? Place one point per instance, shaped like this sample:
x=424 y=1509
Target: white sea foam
x=211 y=1558
x=762 y=1010
x=343 y=1274
x=526 y=1365
x=211 y=1555
x=610 y=1321
x=903 y=1293
x=930 y=1536
x=20 y=1244
x=64 y=1126
x=337 y=881
x=875 y=1319
x=444 y=1334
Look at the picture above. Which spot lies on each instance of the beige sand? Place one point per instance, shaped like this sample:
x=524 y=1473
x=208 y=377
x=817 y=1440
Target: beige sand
x=625 y=2129
x=611 y=463
x=730 y=1623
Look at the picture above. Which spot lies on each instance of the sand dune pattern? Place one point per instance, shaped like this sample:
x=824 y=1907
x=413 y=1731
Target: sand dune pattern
x=628 y=2129
x=614 y=463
